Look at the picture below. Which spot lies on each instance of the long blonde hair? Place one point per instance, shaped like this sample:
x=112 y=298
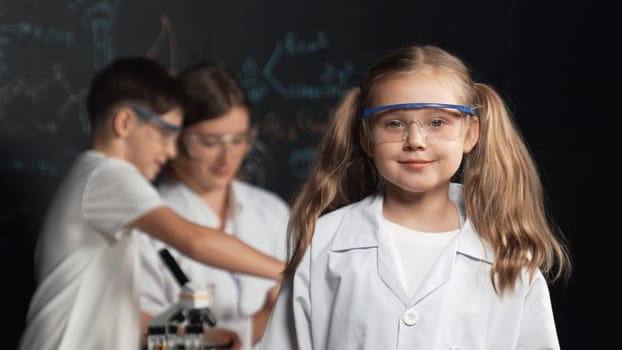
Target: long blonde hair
x=503 y=194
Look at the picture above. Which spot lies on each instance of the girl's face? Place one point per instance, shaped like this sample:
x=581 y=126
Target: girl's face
x=418 y=163
x=215 y=149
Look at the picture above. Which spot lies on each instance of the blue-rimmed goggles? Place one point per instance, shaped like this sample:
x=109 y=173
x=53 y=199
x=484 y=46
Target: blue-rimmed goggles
x=433 y=121
x=155 y=118
x=463 y=109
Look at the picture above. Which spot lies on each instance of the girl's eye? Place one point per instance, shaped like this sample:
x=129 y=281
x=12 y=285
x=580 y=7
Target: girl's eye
x=393 y=124
x=437 y=123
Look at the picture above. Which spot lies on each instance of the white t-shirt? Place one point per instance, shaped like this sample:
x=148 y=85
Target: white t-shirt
x=417 y=251
x=256 y=216
x=85 y=260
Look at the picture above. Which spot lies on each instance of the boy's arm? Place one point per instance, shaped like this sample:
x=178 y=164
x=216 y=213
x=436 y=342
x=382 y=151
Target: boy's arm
x=260 y=318
x=215 y=248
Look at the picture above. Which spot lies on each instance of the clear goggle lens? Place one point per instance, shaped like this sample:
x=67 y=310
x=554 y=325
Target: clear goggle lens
x=206 y=145
x=398 y=124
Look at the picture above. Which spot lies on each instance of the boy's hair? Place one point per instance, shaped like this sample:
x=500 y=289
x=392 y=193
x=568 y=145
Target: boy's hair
x=132 y=80
x=211 y=91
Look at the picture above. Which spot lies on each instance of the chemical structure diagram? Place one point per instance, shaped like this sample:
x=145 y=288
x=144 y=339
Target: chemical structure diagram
x=260 y=80
x=23 y=97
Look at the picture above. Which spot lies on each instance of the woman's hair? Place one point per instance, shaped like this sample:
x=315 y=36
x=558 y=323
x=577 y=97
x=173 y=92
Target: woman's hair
x=211 y=92
x=503 y=194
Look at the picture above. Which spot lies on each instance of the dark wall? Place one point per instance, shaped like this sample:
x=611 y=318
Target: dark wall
x=295 y=58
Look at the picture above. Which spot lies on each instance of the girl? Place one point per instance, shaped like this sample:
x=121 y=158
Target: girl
x=387 y=253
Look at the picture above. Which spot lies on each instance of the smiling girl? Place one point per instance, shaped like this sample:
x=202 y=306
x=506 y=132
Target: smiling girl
x=422 y=225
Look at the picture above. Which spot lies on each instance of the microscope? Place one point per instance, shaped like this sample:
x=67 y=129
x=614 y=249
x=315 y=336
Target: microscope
x=188 y=316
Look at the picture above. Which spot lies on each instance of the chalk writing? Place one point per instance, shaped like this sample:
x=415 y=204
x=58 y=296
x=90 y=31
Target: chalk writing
x=25 y=29
x=257 y=164
x=101 y=17
x=19 y=98
x=166 y=33
x=300 y=161
x=275 y=127
x=33 y=165
x=334 y=79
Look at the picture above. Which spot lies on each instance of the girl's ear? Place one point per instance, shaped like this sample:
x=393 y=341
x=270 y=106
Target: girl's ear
x=472 y=135
x=365 y=141
x=122 y=122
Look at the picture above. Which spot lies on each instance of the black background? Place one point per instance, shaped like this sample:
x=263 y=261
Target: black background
x=550 y=60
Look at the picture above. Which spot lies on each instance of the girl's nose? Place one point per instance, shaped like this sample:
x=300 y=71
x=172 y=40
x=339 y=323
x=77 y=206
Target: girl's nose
x=414 y=135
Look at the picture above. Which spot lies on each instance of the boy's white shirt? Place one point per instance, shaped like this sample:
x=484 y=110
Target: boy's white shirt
x=86 y=260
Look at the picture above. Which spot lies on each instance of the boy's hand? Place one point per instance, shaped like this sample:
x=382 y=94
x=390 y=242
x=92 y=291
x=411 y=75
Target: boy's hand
x=218 y=336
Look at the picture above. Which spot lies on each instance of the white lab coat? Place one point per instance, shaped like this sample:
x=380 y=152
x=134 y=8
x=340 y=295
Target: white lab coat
x=256 y=216
x=347 y=294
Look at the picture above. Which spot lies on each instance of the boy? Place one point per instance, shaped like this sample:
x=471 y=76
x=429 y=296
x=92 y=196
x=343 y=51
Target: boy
x=86 y=257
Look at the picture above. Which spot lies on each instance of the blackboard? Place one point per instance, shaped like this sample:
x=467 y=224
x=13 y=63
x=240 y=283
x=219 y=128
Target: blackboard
x=295 y=58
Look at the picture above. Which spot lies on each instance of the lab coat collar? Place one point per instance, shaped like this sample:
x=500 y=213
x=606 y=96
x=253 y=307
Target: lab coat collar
x=361 y=225
x=470 y=244
x=234 y=207
x=237 y=197
x=360 y=228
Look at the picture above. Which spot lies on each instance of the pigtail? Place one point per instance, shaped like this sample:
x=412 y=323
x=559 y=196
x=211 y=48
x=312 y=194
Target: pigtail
x=504 y=197
x=340 y=175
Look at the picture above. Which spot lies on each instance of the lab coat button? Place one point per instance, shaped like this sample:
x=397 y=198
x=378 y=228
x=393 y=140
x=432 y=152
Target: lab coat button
x=410 y=317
